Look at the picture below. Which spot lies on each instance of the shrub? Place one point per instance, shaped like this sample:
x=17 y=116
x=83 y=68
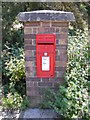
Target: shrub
x=56 y=100
x=14 y=69
x=71 y=100
x=15 y=101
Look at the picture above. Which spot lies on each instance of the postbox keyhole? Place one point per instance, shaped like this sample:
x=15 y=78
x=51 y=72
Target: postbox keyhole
x=45 y=54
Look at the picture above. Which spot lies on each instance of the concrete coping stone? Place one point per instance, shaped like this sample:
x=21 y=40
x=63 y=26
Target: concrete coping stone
x=46 y=15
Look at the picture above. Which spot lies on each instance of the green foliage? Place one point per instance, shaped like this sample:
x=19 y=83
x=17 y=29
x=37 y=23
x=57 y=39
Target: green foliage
x=61 y=101
x=6 y=89
x=79 y=9
x=25 y=103
x=13 y=64
x=71 y=100
x=12 y=29
x=15 y=101
x=9 y=16
x=57 y=100
x=14 y=68
x=77 y=74
x=12 y=101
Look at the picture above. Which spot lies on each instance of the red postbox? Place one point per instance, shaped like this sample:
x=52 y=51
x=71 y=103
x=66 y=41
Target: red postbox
x=45 y=52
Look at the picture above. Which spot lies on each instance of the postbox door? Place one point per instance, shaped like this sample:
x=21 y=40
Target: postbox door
x=45 y=60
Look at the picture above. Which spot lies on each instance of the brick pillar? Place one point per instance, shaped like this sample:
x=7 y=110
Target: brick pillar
x=33 y=84
x=44 y=24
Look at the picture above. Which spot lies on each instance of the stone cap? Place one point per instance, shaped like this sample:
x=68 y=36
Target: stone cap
x=46 y=15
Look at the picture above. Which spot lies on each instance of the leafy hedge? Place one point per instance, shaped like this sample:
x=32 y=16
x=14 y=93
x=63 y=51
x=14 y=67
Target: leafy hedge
x=71 y=100
x=13 y=61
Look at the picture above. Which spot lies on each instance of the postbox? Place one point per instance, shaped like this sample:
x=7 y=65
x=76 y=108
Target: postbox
x=45 y=55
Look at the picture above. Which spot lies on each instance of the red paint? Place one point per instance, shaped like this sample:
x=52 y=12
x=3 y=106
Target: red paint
x=45 y=43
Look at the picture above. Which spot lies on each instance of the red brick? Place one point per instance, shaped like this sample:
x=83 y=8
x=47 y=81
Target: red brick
x=63 y=58
x=57 y=42
x=29 y=84
x=30 y=69
x=34 y=41
x=57 y=58
x=61 y=47
x=33 y=79
x=63 y=36
x=45 y=24
x=44 y=83
x=29 y=53
x=60 y=68
x=52 y=30
x=60 y=74
x=27 y=30
x=58 y=83
x=59 y=79
x=64 y=30
x=27 y=68
x=35 y=75
x=30 y=58
x=45 y=79
x=40 y=30
x=29 y=63
x=36 y=84
x=64 y=41
x=59 y=30
x=60 y=24
x=35 y=30
x=35 y=101
x=31 y=24
x=58 y=36
x=46 y=30
x=60 y=64
x=32 y=93
x=34 y=53
x=33 y=88
x=30 y=73
x=27 y=42
x=30 y=47
x=63 y=55
x=29 y=36
x=56 y=53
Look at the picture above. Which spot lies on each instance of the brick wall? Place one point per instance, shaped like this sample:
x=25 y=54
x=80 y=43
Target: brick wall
x=33 y=84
